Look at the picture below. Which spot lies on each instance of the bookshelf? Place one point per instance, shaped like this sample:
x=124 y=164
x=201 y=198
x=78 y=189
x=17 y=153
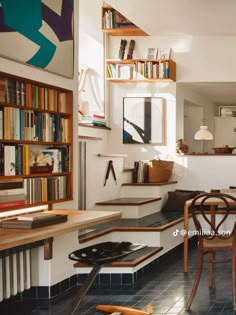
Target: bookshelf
x=115 y=24
x=140 y=70
x=35 y=143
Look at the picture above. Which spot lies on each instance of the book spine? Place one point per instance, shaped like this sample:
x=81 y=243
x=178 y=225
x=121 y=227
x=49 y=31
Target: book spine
x=12 y=203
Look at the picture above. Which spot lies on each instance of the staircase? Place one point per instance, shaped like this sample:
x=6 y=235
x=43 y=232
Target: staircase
x=139 y=204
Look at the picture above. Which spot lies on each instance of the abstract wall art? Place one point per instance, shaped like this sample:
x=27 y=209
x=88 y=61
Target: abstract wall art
x=38 y=33
x=144 y=120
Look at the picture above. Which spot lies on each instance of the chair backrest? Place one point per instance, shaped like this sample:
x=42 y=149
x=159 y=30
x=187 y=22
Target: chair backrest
x=210 y=211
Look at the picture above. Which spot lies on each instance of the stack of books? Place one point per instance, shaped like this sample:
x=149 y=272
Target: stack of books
x=33 y=220
x=99 y=120
x=12 y=192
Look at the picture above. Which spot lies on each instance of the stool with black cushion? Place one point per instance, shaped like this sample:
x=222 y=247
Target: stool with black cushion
x=97 y=255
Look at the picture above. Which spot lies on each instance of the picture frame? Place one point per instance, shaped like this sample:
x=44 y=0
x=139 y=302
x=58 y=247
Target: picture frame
x=163 y=53
x=227 y=111
x=152 y=53
x=144 y=120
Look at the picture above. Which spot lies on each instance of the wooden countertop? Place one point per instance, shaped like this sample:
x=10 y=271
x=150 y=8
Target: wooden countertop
x=77 y=220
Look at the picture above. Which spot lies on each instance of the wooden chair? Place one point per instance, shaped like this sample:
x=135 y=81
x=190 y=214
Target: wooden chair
x=97 y=256
x=210 y=211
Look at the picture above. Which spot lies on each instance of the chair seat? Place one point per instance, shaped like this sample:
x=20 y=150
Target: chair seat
x=218 y=244
x=106 y=252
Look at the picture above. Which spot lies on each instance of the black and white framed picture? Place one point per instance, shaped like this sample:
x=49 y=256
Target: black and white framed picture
x=144 y=120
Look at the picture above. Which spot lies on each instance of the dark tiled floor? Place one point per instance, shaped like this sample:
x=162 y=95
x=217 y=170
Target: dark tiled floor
x=166 y=290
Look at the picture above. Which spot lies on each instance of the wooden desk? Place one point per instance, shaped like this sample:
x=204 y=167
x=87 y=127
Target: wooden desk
x=77 y=220
x=211 y=202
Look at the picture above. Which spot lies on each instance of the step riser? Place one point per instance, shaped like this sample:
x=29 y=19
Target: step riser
x=132 y=212
x=147 y=191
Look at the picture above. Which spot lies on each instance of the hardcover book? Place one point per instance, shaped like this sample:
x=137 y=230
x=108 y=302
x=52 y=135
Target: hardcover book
x=17 y=224
x=36 y=216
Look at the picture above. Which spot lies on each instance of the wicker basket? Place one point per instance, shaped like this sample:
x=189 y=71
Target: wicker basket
x=160 y=171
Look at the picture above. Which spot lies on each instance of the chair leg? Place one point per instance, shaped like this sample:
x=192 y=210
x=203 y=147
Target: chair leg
x=84 y=289
x=211 y=270
x=196 y=282
x=234 y=273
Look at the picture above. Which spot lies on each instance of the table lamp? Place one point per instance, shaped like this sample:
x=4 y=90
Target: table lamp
x=203 y=134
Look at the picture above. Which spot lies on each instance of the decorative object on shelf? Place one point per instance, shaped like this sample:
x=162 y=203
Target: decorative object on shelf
x=152 y=53
x=181 y=146
x=144 y=120
x=131 y=49
x=160 y=171
x=203 y=134
x=163 y=53
x=123 y=44
x=42 y=37
x=224 y=150
x=35 y=169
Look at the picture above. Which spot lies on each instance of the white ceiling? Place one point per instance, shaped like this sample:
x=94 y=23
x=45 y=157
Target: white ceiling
x=186 y=17
x=171 y=17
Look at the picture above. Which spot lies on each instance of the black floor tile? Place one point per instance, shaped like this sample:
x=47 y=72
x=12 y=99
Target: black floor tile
x=166 y=289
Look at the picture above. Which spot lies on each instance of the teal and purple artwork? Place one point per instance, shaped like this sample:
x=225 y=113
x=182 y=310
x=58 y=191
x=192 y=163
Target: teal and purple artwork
x=38 y=33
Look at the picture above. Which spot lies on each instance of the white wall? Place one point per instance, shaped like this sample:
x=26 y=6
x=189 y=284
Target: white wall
x=198 y=59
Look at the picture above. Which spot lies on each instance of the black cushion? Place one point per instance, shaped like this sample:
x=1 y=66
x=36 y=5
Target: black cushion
x=176 y=200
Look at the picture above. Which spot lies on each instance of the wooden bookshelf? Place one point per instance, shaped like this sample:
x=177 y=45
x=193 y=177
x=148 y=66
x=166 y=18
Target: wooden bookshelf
x=140 y=70
x=115 y=24
x=35 y=123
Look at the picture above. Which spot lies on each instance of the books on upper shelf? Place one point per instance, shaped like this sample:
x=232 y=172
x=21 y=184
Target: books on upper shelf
x=99 y=120
x=36 y=216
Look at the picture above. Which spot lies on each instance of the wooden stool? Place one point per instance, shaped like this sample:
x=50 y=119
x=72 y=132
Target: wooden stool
x=97 y=255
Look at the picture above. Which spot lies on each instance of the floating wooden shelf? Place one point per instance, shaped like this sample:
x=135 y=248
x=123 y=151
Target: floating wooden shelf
x=111 y=26
x=89 y=138
x=111 y=155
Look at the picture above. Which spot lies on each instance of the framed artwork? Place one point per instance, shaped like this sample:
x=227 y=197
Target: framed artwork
x=227 y=111
x=144 y=120
x=38 y=33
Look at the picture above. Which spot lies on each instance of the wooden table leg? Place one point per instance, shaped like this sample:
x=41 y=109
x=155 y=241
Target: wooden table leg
x=186 y=237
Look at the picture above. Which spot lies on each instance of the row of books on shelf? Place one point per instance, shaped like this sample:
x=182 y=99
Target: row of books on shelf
x=43 y=189
x=19 y=124
x=19 y=192
x=16 y=92
x=140 y=171
x=139 y=70
x=17 y=159
x=113 y=19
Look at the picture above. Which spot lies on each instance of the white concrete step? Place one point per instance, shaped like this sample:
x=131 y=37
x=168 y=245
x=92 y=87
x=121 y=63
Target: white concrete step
x=131 y=207
x=148 y=190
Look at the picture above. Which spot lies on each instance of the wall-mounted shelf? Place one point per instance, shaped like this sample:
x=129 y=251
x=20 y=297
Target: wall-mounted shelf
x=89 y=138
x=92 y=126
x=115 y=24
x=140 y=70
x=111 y=155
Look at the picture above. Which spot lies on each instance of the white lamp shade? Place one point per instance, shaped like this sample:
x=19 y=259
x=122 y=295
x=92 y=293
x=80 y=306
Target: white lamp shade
x=203 y=134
